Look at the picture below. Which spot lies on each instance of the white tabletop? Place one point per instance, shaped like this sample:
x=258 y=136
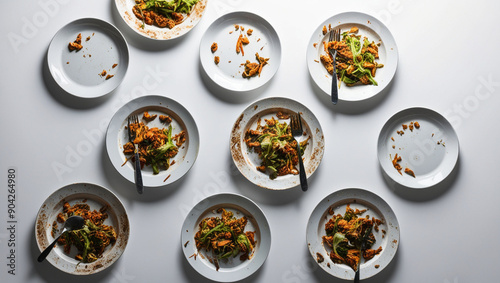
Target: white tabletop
x=448 y=62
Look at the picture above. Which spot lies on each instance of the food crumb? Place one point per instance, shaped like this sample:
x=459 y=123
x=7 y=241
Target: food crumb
x=77 y=44
x=185 y=245
x=103 y=73
x=67 y=62
x=214 y=47
x=109 y=76
x=236 y=27
x=324 y=30
x=114 y=65
x=395 y=163
x=409 y=172
x=377 y=265
x=167 y=179
x=319 y=258
x=249 y=31
x=88 y=38
x=216 y=60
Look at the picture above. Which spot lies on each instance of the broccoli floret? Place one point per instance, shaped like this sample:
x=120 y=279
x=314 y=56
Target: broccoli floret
x=337 y=239
x=160 y=155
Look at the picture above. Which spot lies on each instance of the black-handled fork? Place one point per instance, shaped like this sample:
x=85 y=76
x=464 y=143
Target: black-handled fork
x=137 y=165
x=334 y=36
x=296 y=126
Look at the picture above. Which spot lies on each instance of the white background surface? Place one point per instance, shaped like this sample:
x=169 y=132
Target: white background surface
x=448 y=62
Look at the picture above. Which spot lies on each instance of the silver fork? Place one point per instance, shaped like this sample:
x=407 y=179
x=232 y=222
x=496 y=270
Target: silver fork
x=296 y=126
x=137 y=165
x=334 y=35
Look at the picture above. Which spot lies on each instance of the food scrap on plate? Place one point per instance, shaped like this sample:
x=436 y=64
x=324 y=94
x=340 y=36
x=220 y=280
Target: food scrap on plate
x=345 y=235
x=356 y=58
x=276 y=147
x=225 y=237
x=157 y=147
x=163 y=13
x=92 y=239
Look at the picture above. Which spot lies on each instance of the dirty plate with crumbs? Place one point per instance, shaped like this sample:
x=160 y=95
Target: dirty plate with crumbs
x=425 y=143
x=247 y=160
x=96 y=197
x=259 y=37
x=386 y=234
x=88 y=58
x=233 y=269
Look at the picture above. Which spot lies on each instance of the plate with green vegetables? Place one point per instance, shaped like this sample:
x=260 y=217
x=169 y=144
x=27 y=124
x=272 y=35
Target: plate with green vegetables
x=236 y=233
x=86 y=240
x=270 y=159
x=361 y=73
x=176 y=127
x=161 y=19
x=370 y=206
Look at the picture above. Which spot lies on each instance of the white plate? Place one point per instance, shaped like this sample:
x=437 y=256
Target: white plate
x=247 y=161
x=361 y=199
x=78 y=72
x=228 y=73
x=124 y=8
x=431 y=151
x=97 y=197
x=234 y=269
x=117 y=137
x=368 y=26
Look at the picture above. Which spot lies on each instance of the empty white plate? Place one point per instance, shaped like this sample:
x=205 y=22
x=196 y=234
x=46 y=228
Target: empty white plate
x=228 y=73
x=80 y=73
x=431 y=151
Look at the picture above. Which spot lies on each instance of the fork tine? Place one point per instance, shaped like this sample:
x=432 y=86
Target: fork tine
x=299 y=121
x=331 y=35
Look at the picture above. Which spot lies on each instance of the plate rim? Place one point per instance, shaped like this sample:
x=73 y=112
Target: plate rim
x=160 y=101
x=175 y=36
x=124 y=48
x=401 y=114
x=262 y=21
x=236 y=143
x=311 y=53
x=62 y=193
x=346 y=194
x=199 y=209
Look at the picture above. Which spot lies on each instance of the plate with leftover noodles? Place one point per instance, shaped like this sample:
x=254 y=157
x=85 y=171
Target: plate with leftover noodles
x=262 y=147
x=240 y=51
x=88 y=58
x=340 y=221
x=98 y=244
x=161 y=20
x=364 y=75
x=167 y=139
x=418 y=148
x=226 y=237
